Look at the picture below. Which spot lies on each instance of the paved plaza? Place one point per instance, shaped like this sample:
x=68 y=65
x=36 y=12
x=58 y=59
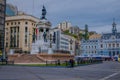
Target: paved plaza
x=103 y=71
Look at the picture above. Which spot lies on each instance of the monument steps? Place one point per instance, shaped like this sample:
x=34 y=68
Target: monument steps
x=26 y=58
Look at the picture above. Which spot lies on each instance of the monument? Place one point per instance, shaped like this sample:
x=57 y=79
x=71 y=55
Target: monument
x=44 y=43
x=43 y=39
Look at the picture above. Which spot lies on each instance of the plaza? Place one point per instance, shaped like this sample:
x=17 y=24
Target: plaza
x=104 y=71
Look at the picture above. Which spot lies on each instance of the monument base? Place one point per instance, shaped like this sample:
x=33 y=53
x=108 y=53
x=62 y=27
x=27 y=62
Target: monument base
x=50 y=51
x=71 y=52
x=56 y=56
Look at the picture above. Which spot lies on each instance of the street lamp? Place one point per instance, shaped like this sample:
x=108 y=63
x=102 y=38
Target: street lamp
x=71 y=42
x=29 y=42
x=50 y=51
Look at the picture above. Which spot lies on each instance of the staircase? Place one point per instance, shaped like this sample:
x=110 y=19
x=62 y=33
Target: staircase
x=27 y=58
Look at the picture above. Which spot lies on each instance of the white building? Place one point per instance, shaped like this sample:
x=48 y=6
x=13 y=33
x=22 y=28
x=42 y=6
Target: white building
x=64 y=25
x=64 y=42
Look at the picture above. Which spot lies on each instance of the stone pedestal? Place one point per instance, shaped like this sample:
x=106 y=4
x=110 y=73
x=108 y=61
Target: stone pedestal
x=56 y=56
x=71 y=52
x=11 y=51
x=50 y=51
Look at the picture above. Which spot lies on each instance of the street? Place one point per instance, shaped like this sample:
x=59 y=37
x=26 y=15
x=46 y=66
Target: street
x=103 y=71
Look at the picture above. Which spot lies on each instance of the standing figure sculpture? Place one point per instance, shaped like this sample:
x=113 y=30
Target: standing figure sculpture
x=45 y=37
x=43 y=12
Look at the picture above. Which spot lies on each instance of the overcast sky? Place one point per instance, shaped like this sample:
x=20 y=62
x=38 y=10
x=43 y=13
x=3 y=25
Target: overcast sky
x=98 y=14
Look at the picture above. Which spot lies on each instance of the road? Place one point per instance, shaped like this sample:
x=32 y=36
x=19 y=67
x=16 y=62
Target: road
x=103 y=71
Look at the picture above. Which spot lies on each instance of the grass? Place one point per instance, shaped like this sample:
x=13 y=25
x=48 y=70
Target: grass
x=42 y=65
x=51 y=64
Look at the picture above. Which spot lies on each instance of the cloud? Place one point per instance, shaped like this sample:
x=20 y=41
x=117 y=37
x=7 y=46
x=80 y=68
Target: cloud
x=78 y=12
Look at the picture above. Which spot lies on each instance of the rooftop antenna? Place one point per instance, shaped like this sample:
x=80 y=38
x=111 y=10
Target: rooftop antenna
x=33 y=6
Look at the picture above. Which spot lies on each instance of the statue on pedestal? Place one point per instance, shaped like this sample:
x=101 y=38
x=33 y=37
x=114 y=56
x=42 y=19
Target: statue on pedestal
x=45 y=37
x=43 y=13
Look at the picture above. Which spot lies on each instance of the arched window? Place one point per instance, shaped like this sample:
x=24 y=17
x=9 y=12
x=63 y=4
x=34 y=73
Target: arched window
x=109 y=45
x=101 y=45
x=113 y=45
x=117 y=44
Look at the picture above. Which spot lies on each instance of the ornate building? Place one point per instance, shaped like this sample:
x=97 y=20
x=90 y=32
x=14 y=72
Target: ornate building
x=107 y=45
x=19 y=30
x=110 y=42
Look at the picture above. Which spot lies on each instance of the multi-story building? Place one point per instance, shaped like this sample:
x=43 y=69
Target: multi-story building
x=74 y=30
x=64 y=42
x=64 y=25
x=107 y=45
x=19 y=30
x=2 y=25
x=110 y=42
x=82 y=31
x=11 y=10
x=89 y=47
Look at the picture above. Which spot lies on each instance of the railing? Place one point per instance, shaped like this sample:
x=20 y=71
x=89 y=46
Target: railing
x=4 y=62
x=72 y=63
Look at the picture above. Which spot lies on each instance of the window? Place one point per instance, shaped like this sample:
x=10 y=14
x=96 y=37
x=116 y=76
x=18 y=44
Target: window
x=6 y=33
x=11 y=23
x=18 y=29
x=15 y=29
x=32 y=24
x=95 y=51
x=7 y=24
x=6 y=38
x=26 y=29
x=95 y=47
x=25 y=41
x=92 y=46
x=6 y=44
x=109 y=45
x=101 y=45
x=117 y=44
x=18 y=22
x=15 y=23
x=26 y=22
x=113 y=45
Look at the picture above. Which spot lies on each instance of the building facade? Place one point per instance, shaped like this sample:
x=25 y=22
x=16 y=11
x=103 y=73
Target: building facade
x=107 y=45
x=2 y=25
x=74 y=30
x=19 y=32
x=64 y=25
x=64 y=42
x=110 y=42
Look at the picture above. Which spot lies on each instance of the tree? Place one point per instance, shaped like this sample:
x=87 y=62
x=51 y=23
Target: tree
x=86 y=35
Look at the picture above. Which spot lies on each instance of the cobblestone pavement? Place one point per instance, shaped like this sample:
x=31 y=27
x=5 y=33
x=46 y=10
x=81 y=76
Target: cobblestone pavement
x=103 y=71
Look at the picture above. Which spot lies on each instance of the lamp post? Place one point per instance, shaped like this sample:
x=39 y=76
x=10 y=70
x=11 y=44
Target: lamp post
x=71 y=42
x=50 y=51
x=29 y=43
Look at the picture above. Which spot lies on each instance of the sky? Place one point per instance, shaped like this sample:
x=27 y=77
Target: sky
x=97 y=14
